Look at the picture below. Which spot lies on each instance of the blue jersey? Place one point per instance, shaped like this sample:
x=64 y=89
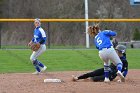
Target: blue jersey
x=39 y=35
x=102 y=39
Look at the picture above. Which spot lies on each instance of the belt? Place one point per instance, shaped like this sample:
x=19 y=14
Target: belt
x=106 y=47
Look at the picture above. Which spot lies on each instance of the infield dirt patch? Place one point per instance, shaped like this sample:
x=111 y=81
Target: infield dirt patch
x=28 y=83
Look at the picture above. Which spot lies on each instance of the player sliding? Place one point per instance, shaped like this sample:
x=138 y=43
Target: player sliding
x=106 y=51
x=38 y=46
x=98 y=74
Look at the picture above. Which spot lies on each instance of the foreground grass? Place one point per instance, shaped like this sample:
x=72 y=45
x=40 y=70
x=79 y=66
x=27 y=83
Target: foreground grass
x=59 y=60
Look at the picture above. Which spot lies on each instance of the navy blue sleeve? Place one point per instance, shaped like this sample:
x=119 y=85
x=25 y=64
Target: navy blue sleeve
x=125 y=66
x=43 y=40
x=32 y=39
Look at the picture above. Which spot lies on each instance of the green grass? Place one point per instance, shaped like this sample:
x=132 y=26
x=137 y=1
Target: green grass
x=59 y=60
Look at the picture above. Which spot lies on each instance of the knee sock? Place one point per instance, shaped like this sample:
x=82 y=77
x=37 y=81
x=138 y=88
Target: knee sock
x=106 y=71
x=119 y=67
x=40 y=64
x=37 y=64
x=37 y=68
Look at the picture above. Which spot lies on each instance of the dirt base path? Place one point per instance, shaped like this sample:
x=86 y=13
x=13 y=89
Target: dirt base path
x=28 y=83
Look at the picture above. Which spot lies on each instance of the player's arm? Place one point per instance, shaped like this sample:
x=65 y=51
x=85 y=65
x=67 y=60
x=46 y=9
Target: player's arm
x=42 y=40
x=110 y=33
x=29 y=44
x=125 y=72
x=43 y=35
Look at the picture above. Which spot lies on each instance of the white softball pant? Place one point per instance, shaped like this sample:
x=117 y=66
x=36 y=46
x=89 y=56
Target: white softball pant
x=35 y=54
x=108 y=55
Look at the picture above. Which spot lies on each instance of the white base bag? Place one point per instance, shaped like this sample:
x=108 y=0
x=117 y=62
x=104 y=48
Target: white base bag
x=52 y=80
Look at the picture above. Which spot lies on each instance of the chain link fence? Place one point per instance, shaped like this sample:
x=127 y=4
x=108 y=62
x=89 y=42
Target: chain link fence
x=60 y=35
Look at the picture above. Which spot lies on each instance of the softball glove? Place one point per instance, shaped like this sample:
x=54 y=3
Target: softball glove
x=34 y=46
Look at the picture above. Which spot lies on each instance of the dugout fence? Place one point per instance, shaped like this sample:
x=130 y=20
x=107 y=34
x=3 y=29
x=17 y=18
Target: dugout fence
x=61 y=33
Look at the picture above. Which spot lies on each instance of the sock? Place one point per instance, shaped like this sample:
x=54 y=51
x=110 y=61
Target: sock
x=119 y=66
x=106 y=74
x=106 y=71
x=37 y=68
x=40 y=64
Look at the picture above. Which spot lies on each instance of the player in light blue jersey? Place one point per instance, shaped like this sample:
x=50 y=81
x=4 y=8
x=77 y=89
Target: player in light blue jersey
x=39 y=37
x=106 y=51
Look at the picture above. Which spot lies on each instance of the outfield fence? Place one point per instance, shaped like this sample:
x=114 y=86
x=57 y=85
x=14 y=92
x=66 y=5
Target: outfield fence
x=62 y=33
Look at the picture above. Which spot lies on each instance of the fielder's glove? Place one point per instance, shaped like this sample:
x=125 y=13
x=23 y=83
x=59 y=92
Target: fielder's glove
x=34 y=46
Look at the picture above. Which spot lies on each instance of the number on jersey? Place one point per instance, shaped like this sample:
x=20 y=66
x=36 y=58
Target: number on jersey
x=99 y=41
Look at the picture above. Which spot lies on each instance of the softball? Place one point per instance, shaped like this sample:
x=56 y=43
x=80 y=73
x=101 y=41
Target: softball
x=119 y=81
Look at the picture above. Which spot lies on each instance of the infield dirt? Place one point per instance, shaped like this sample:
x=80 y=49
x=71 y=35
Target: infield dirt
x=28 y=83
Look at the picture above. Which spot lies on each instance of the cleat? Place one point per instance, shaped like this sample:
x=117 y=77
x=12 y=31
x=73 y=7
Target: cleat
x=106 y=80
x=36 y=73
x=74 y=78
x=121 y=76
x=43 y=69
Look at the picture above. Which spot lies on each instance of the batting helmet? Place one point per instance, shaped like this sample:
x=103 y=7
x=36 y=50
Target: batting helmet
x=121 y=48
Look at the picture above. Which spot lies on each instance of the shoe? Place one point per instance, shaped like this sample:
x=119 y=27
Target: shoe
x=106 y=80
x=43 y=69
x=74 y=78
x=36 y=73
x=121 y=76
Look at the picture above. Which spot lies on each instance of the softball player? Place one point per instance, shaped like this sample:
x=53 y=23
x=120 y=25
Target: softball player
x=98 y=75
x=39 y=37
x=106 y=51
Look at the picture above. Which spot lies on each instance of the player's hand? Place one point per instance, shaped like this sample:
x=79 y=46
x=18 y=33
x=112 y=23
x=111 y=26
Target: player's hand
x=30 y=43
x=35 y=46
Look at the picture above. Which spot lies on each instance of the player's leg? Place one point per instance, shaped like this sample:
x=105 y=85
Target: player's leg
x=116 y=61
x=43 y=49
x=102 y=77
x=97 y=72
x=35 y=63
x=106 y=71
x=98 y=78
x=83 y=76
x=38 y=53
x=104 y=56
x=34 y=60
